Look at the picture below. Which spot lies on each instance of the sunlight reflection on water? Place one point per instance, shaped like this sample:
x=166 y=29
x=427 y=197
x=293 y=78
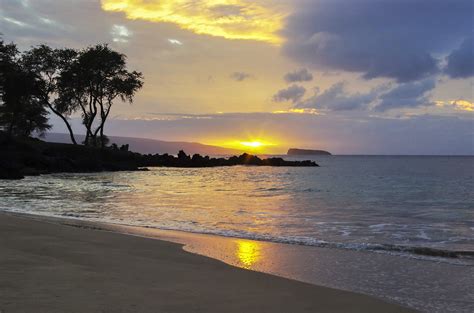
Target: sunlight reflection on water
x=350 y=201
x=248 y=252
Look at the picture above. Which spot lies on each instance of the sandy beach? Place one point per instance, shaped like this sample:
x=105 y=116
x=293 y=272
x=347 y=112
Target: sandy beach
x=49 y=267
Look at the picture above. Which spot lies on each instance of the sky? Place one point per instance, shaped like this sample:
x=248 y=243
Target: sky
x=351 y=77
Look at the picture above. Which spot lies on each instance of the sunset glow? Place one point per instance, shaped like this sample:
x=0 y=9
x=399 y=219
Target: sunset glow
x=231 y=19
x=250 y=145
x=253 y=144
x=263 y=76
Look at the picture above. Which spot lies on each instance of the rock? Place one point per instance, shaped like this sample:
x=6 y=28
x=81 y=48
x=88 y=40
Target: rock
x=19 y=158
x=10 y=170
x=29 y=171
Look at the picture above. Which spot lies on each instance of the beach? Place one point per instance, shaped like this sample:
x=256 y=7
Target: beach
x=357 y=224
x=236 y=156
x=50 y=267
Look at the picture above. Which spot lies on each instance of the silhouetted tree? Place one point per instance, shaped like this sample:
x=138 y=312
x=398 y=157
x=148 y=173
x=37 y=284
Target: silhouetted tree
x=93 y=82
x=48 y=64
x=21 y=110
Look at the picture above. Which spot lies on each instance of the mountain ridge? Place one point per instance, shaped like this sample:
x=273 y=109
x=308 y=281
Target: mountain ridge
x=152 y=146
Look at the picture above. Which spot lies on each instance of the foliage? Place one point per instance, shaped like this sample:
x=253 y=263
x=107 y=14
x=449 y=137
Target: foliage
x=48 y=64
x=21 y=110
x=93 y=82
x=65 y=81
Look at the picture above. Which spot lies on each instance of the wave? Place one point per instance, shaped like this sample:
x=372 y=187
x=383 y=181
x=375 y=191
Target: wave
x=374 y=247
x=420 y=252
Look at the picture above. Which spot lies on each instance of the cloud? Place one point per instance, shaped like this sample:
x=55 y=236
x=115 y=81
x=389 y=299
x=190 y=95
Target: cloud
x=227 y=9
x=336 y=98
x=380 y=98
x=377 y=38
x=461 y=61
x=175 y=42
x=120 y=33
x=302 y=75
x=407 y=95
x=293 y=93
x=71 y=23
x=21 y=18
x=240 y=76
x=298 y=111
x=241 y=19
x=462 y=105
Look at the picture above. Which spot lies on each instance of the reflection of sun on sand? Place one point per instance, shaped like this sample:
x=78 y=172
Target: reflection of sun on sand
x=248 y=252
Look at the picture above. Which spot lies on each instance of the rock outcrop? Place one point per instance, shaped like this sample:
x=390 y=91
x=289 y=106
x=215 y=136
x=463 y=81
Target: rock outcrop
x=29 y=157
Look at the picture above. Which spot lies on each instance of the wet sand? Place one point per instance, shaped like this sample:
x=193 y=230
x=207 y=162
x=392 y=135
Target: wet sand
x=49 y=267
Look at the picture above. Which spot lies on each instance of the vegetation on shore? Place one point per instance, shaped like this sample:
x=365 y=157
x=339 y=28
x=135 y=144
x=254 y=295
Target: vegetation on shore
x=63 y=82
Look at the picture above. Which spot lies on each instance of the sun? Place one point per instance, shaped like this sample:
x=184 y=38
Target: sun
x=255 y=145
x=252 y=144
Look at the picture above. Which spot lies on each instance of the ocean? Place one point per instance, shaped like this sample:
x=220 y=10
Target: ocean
x=419 y=208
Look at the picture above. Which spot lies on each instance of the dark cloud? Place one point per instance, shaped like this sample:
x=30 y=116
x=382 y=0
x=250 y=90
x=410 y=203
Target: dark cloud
x=336 y=98
x=240 y=76
x=21 y=19
x=302 y=75
x=461 y=61
x=381 y=98
x=408 y=95
x=378 y=38
x=58 y=23
x=293 y=93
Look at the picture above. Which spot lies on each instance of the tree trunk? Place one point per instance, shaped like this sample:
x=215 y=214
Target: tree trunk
x=102 y=136
x=91 y=136
x=71 y=134
x=69 y=128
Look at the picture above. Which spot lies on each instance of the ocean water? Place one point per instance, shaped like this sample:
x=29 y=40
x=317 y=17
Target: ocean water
x=396 y=227
x=419 y=206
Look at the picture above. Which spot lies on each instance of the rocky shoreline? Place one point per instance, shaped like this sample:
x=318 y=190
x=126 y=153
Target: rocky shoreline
x=29 y=157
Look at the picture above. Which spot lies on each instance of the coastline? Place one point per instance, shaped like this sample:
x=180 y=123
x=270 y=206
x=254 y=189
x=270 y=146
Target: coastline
x=52 y=267
x=33 y=157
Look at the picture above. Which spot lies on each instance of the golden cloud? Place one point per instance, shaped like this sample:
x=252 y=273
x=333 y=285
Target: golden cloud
x=232 y=19
x=462 y=105
x=298 y=111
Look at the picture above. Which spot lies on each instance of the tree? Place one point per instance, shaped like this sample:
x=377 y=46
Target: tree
x=93 y=82
x=8 y=59
x=47 y=65
x=21 y=111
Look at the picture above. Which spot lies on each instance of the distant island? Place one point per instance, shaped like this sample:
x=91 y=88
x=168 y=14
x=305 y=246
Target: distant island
x=294 y=151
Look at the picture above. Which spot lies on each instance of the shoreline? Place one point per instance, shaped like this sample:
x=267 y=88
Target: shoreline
x=426 y=285
x=429 y=254
x=251 y=291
